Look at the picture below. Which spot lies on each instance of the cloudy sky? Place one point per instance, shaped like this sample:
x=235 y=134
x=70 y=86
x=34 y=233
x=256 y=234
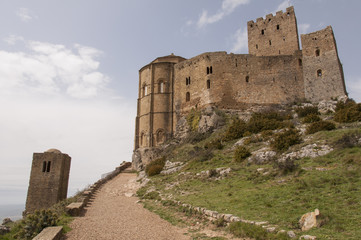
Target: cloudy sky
x=69 y=70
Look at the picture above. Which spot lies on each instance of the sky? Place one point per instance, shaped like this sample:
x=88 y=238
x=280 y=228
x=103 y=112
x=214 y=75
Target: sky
x=69 y=70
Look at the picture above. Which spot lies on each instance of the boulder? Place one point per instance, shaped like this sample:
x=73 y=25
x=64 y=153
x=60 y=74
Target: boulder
x=262 y=156
x=309 y=220
x=308 y=237
x=209 y=123
x=4 y=229
x=142 y=156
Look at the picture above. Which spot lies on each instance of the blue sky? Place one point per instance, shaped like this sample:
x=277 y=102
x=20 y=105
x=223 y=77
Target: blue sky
x=69 y=70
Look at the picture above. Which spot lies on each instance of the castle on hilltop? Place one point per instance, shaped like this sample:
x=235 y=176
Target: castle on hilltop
x=276 y=71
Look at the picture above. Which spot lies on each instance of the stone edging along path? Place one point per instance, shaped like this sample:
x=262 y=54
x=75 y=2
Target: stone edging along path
x=229 y=218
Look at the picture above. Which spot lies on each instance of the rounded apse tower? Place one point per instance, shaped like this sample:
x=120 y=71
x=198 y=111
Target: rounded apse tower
x=154 y=121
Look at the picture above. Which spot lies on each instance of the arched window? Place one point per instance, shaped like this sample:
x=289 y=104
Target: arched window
x=207 y=70
x=247 y=78
x=48 y=166
x=317 y=52
x=262 y=32
x=44 y=166
x=188 y=97
x=208 y=84
x=144 y=90
x=319 y=73
x=160 y=136
x=210 y=70
x=161 y=87
x=142 y=139
x=300 y=62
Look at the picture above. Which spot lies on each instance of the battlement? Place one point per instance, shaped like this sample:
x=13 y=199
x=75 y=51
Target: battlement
x=274 y=34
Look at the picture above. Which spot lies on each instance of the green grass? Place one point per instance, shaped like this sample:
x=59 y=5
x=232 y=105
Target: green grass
x=278 y=198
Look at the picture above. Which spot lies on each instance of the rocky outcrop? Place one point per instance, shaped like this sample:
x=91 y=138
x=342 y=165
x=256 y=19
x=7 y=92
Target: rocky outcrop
x=171 y=167
x=262 y=156
x=311 y=150
x=142 y=156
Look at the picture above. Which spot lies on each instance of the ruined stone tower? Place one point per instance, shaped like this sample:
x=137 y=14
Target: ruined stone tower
x=275 y=72
x=48 y=182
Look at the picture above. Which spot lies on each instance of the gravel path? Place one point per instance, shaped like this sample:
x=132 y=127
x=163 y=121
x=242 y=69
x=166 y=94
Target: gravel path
x=114 y=214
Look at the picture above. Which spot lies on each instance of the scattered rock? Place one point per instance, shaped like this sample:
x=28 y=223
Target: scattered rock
x=311 y=150
x=291 y=234
x=4 y=229
x=308 y=237
x=171 y=167
x=309 y=220
x=326 y=106
x=6 y=221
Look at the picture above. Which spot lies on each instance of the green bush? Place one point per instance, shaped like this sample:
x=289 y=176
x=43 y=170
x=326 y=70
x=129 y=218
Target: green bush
x=349 y=140
x=34 y=223
x=214 y=144
x=320 y=126
x=311 y=118
x=265 y=121
x=193 y=118
x=153 y=195
x=304 y=111
x=155 y=167
x=286 y=166
x=348 y=112
x=235 y=130
x=241 y=153
x=282 y=141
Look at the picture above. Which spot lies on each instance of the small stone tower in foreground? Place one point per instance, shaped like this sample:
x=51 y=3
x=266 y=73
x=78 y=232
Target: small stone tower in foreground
x=48 y=182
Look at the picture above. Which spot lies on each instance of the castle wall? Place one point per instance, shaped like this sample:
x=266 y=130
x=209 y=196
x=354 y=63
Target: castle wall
x=48 y=182
x=323 y=73
x=237 y=81
x=274 y=35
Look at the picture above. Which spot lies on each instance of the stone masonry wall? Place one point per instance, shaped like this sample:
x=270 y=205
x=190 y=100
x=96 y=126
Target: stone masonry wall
x=48 y=182
x=323 y=72
x=237 y=81
x=274 y=35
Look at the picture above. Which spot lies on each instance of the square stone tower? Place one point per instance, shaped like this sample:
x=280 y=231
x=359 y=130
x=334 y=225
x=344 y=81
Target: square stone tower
x=49 y=178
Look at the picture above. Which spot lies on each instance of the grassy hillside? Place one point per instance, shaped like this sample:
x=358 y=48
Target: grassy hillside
x=282 y=187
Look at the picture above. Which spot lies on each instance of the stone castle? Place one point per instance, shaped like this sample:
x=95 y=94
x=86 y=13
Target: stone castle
x=276 y=71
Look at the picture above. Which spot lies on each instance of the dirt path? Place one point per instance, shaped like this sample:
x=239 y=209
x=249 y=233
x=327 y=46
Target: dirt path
x=114 y=214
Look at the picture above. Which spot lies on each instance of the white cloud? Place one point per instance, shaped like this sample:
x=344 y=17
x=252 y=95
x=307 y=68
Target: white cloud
x=52 y=69
x=13 y=39
x=303 y=28
x=25 y=14
x=241 y=40
x=285 y=4
x=53 y=96
x=228 y=6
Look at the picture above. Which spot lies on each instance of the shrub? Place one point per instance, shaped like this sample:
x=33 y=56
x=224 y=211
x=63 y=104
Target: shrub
x=348 y=112
x=152 y=195
x=284 y=140
x=193 y=118
x=214 y=144
x=286 y=166
x=34 y=223
x=311 y=118
x=320 y=126
x=304 y=111
x=349 y=140
x=264 y=121
x=235 y=130
x=240 y=154
x=155 y=167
